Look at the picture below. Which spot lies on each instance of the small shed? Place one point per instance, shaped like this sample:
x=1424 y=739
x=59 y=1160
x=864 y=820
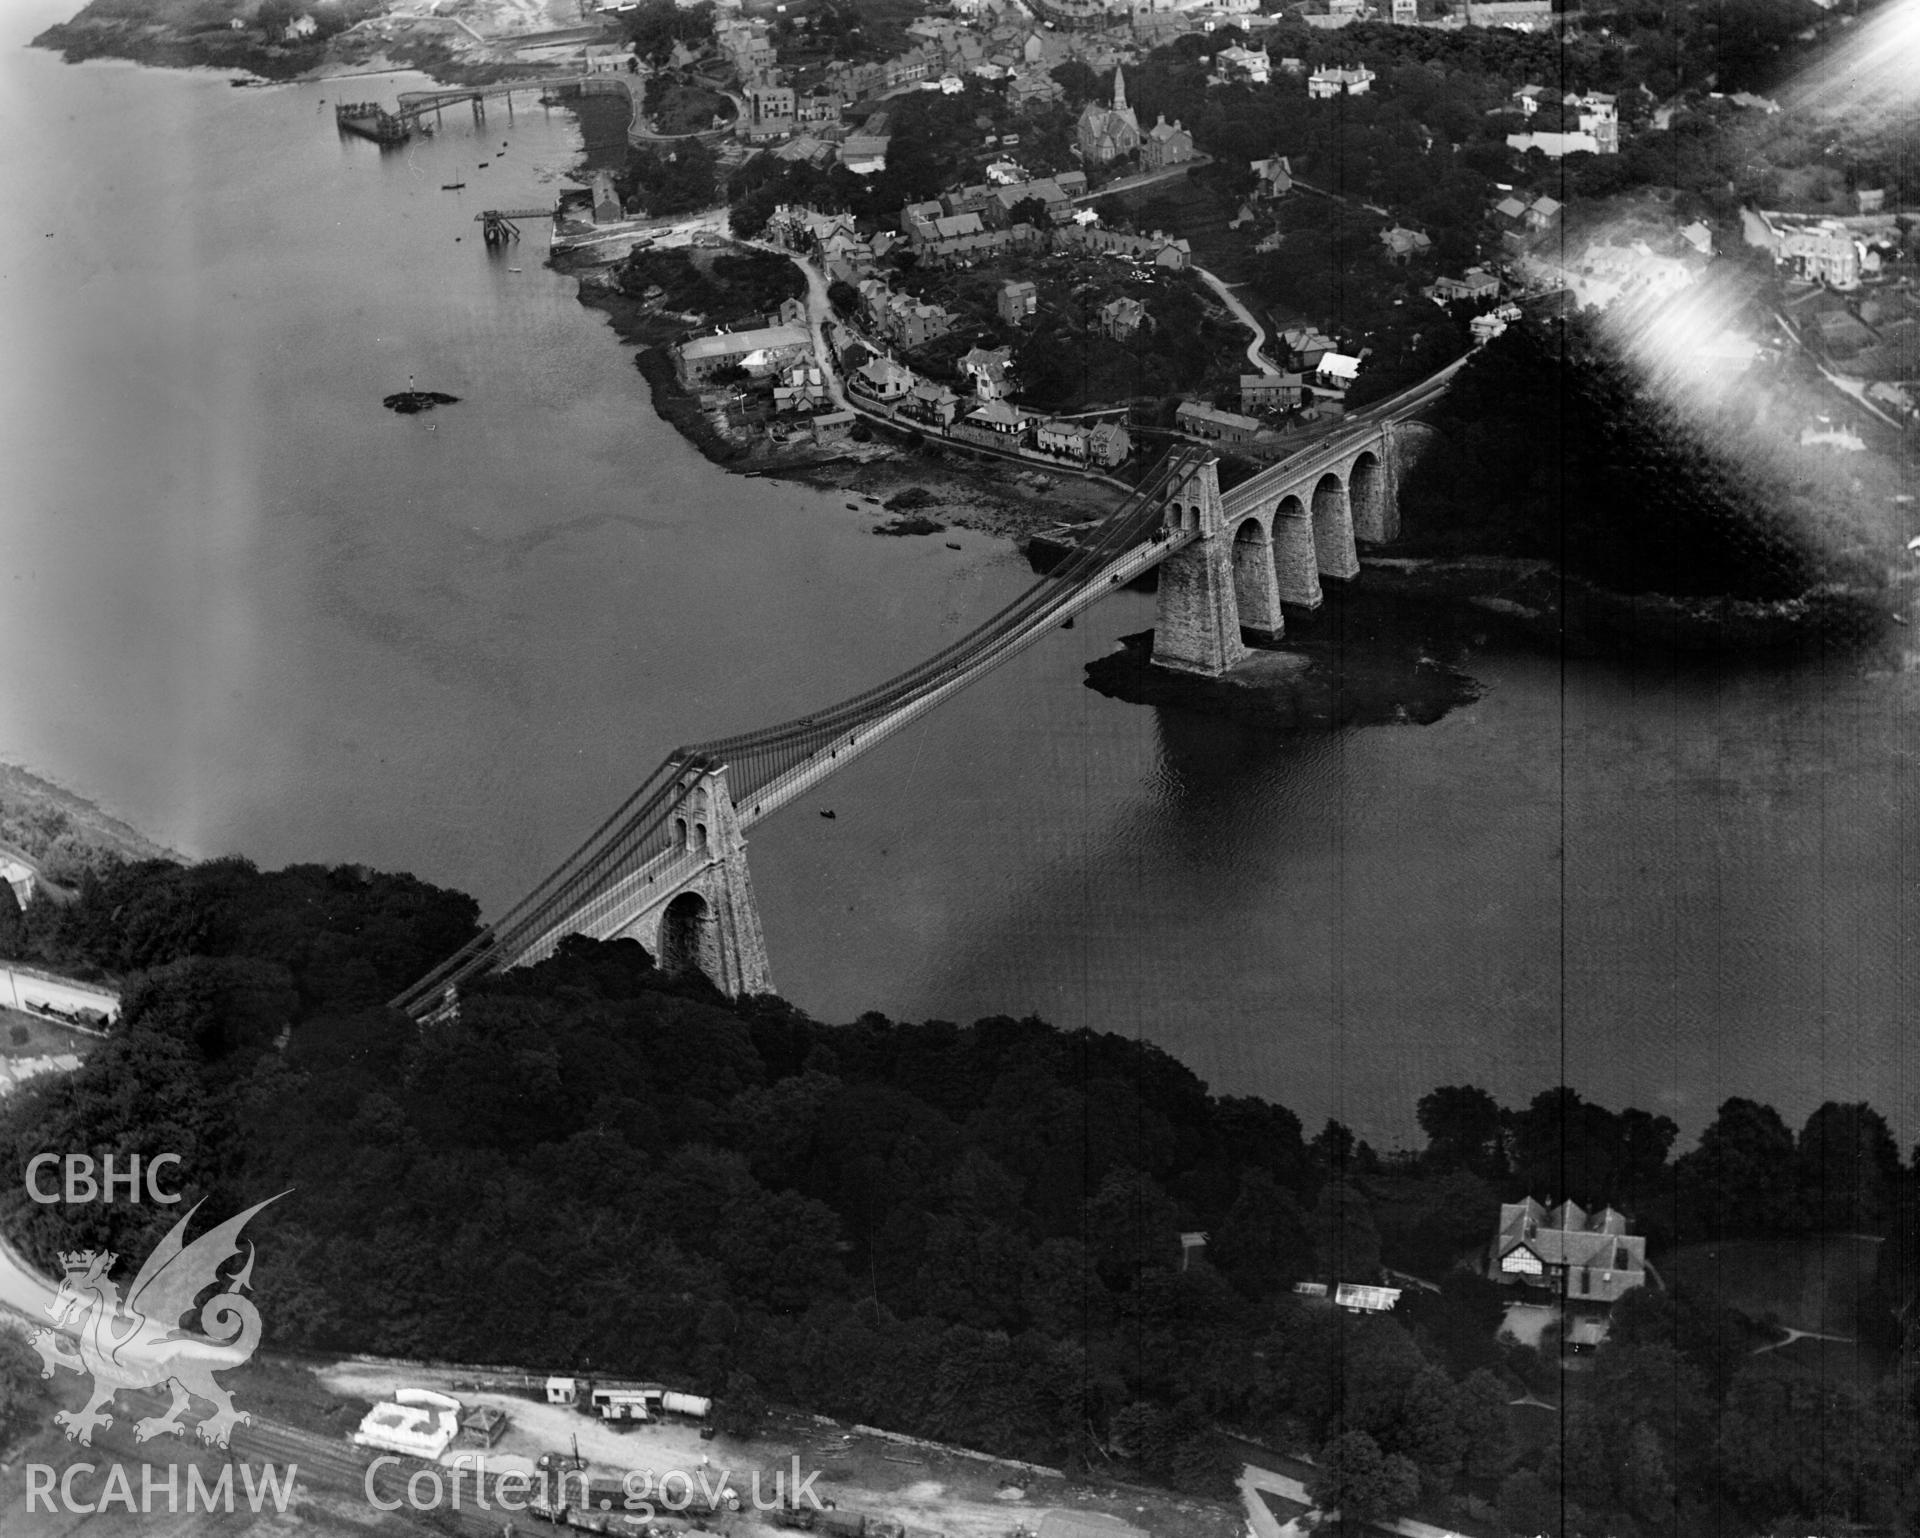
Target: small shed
x=832 y=426
x=482 y=1426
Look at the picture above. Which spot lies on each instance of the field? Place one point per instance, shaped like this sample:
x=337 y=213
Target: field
x=42 y=1038
x=1812 y=1284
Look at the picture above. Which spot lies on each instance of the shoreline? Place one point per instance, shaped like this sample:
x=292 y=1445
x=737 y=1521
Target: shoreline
x=163 y=43
x=1534 y=601
x=989 y=497
x=62 y=833
x=1528 y=600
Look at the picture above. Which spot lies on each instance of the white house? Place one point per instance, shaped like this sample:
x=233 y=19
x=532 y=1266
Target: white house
x=416 y=1421
x=19 y=876
x=1492 y=324
x=1329 y=81
x=1335 y=371
x=1236 y=63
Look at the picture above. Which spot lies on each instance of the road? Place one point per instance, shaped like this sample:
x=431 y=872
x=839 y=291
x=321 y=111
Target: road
x=1855 y=390
x=22 y=1289
x=818 y=308
x=1256 y=353
x=1792 y=1335
x=1146 y=179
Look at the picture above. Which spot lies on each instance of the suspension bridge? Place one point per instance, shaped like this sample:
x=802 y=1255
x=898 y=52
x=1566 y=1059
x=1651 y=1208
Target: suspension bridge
x=669 y=866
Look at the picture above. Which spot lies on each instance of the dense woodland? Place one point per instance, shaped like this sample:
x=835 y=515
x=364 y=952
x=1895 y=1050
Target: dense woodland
x=969 y=1232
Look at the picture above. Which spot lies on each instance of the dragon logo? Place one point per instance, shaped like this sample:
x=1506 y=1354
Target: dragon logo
x=140 y=1343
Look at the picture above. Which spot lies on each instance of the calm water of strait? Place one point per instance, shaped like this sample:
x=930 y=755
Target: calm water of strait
x=249 y=610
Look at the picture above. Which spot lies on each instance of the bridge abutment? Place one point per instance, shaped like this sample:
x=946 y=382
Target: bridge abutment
x=1406 y=444
x=1196 y=627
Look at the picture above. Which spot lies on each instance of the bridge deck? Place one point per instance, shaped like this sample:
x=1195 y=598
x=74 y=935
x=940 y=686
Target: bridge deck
x=414 y=103
x=796 y=782
x=608 y=911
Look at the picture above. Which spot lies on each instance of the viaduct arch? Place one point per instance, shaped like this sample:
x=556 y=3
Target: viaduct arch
x=1269 y=541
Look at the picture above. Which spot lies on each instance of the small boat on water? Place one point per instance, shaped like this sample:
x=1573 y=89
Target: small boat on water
x=951 y=545
x=451 y=186
x=513 y=269
x=828 y=815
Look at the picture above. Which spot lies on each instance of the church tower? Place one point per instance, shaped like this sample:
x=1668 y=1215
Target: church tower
x=1119 y=90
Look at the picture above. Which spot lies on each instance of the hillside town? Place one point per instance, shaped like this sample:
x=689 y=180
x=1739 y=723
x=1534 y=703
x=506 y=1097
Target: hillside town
x=1090 y=186
x=1041 y=231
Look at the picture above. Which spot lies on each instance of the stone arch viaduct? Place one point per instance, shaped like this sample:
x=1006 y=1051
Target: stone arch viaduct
x=1269 y=541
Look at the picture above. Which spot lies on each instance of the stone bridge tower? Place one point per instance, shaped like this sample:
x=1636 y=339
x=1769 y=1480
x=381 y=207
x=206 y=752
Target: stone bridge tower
x=1197 y=626
x=697 y=910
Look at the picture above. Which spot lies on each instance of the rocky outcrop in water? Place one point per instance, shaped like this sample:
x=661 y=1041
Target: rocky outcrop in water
x=407 y=402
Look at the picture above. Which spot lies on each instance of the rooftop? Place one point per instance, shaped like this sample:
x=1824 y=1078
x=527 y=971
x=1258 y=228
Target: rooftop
x=728 y=343
x=1195 y=411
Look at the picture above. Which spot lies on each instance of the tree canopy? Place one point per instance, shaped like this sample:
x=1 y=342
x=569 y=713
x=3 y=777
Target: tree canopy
x=969 y=1232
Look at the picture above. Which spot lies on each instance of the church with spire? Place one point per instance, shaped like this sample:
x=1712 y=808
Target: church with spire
x=1105 y=134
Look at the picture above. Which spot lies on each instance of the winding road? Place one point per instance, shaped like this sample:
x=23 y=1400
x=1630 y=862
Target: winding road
x=1256 y=349
x=818 y=308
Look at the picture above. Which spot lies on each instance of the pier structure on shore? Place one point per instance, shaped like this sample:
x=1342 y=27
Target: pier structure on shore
x=372 y=121
x=413 y=109
x=500 y=225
